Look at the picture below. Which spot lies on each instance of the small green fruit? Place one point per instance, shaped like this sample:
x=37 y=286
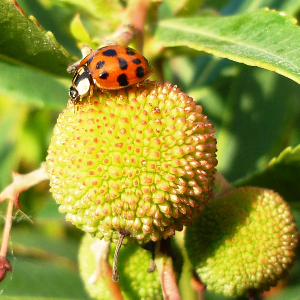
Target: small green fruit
x=139 y=160
x=245 y=240
x=135 y=281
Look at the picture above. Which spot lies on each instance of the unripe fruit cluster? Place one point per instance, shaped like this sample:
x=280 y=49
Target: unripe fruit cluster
x=245 y=240
x=135 y=282
x=140 y=159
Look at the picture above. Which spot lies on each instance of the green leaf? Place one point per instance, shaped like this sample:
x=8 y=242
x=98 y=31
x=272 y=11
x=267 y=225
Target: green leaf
x=291 y=293
x=104 y=9
x=99 y=17
x=24 y=41
x=42 y=279
x=32 y=87
x=35 y=298
x=252 y=118
x=263 y=38
x=281 y=175
x=43 y=266
x=11 y=123
x=80 y=33
x=290 y=6
x=35 y=242
x=180 y=7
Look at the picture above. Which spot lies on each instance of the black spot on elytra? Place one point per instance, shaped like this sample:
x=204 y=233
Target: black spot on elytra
x=139 y=72
x=110 y=52
x=122 y=63
x=136 y=61
x=130 y=51
x=103 y=75
x=100 y=64
x=89 y=60
x=122 y=79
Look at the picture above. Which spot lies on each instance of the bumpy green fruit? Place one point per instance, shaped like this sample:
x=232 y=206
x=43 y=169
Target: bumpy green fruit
x=244 y=240
x=135 y=281
x=140 y=159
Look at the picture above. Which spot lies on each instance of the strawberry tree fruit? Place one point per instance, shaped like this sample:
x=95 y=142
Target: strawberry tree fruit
x=244 y=241
x=137 y=162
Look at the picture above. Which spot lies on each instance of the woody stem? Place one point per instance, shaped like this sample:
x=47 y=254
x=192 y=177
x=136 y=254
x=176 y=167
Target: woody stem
x=7 y=227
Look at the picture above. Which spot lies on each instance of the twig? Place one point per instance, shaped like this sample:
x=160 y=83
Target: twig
x=22 y=182
x=6 y=231
x=123 y=35
x=4 y=262
x=133 y=24
x=135 y=15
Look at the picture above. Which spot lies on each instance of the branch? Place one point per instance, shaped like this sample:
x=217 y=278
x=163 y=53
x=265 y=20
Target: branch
x=22 y=183
x=135 y=15
x=5 y=265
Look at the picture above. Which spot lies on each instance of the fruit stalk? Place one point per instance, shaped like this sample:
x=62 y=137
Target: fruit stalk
x=103 y=270
x=115 y=276
x=165 y=269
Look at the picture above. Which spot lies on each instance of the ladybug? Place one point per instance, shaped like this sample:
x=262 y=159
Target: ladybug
x=108 y=68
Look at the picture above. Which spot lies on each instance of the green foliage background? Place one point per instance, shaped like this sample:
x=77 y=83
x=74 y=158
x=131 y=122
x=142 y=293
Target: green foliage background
x=207 y=48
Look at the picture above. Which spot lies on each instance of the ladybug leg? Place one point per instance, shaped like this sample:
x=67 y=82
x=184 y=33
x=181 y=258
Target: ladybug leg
x=74 y=67
x=85 y=50
x=75 y=105
x=91 y=92
x=147 y=82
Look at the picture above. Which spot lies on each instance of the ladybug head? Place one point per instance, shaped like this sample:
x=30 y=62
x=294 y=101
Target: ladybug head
x=73 y=93
x=81 y=83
